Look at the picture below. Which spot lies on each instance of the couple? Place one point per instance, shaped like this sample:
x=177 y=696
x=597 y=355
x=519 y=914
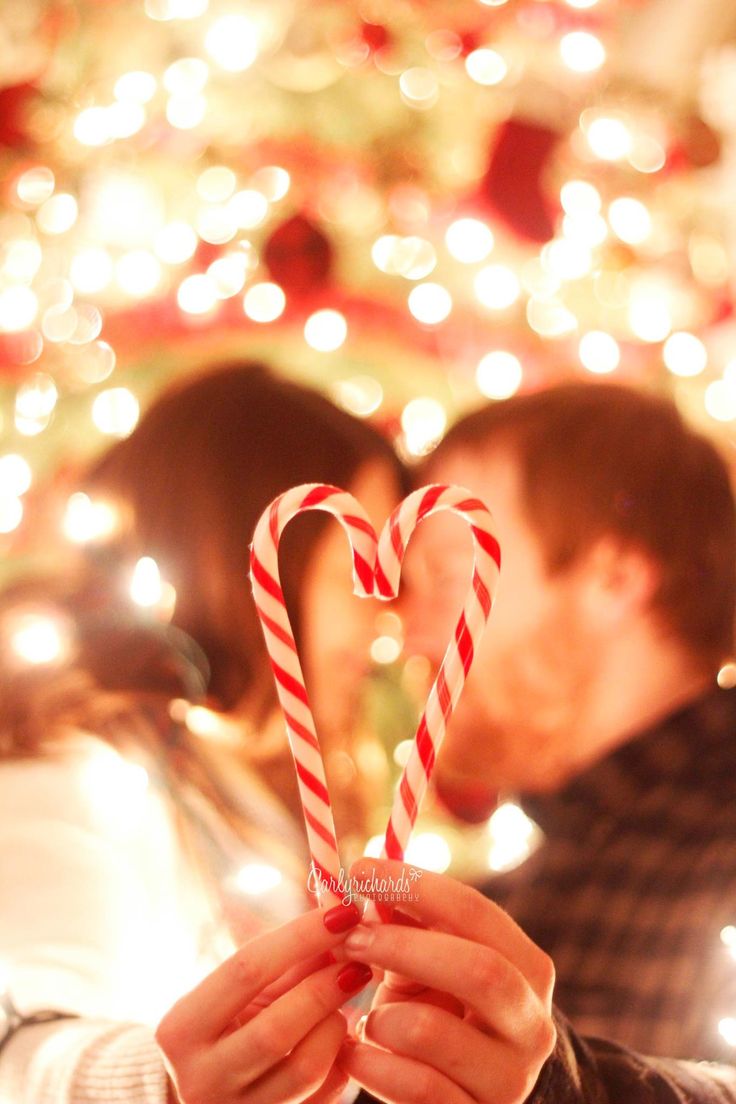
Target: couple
x=152 y=928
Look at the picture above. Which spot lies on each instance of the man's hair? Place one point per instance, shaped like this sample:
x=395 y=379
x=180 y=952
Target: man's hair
x=600 y=460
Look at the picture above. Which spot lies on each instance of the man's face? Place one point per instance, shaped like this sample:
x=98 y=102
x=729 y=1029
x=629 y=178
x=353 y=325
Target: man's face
x=514 y=725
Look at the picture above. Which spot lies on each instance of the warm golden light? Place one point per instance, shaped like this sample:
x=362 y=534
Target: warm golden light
x=138 y=273
x=361 y=395
x=18 y=308
x=197 y=294
x=115 y=412
x=419 y=88
x=175 y=243
x=15 y=475
x=630 y=220
x=609 y=138
x=499 y=375
x=232 y=42
x=685 y=354
x=469 y=240
x=423 y=421
x=87 y=520
x=497 y=287
x=578 y=197
x=430 y=303
x=582 y=52
x=599 y=352
x=264 y=302
x=326 y=330
x=486 y=66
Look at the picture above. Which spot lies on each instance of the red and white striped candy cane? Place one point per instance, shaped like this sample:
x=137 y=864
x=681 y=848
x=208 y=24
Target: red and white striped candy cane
x=292 y=694
x=460 y=651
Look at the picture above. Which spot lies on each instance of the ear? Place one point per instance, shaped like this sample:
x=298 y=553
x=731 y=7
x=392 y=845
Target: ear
x=619 y=581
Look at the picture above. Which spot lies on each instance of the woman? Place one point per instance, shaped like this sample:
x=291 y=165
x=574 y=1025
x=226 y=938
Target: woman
x=135 y=851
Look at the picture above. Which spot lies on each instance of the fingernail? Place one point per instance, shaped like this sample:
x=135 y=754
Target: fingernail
x=354 y=976
x=360 y=939
x=360 y=1028
x=342 y=917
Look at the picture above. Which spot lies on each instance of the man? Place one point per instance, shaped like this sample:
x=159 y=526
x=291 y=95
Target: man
x=594 y=696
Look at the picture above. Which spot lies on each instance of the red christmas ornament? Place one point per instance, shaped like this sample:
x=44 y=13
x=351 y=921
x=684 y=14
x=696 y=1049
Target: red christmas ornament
x=13 y=105
x=375 y=36
x=298 y=255
x=513 y=183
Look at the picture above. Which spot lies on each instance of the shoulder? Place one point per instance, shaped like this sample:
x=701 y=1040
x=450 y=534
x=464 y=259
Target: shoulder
x=80 y=781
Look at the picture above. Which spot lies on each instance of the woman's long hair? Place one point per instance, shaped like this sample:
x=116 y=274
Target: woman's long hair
x=188 y=485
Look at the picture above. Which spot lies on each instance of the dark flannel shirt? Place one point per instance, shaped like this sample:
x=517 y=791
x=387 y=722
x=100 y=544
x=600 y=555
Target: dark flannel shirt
x=594 y=1071
x=633 y=884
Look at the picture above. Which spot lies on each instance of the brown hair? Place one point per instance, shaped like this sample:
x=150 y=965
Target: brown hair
x=602 y=459
x=191 y=482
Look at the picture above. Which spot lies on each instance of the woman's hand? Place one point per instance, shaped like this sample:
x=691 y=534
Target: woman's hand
x=463 y=1013
x=266 y=1023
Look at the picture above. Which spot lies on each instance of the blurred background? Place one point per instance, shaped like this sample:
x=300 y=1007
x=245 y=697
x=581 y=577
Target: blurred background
x=415 y=206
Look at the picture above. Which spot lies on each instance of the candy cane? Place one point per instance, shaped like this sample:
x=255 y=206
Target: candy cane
x=281 y=646
x=460 y=651
x=376 y=571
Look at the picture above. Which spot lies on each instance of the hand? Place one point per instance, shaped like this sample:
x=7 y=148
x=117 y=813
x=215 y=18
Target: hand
x=266 y=1022
x=463 y=1013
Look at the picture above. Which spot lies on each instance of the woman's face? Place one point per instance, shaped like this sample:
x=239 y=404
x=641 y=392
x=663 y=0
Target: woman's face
x=337 y=627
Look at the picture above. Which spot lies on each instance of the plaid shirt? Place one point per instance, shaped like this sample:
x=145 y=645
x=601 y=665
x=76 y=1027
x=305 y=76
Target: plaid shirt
x=591 y=1071
x=634 y=883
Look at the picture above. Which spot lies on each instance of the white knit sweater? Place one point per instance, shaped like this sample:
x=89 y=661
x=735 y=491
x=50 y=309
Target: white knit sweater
x=101 y=916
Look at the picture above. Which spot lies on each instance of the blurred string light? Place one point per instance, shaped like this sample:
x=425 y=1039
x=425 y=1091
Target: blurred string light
x=326 y=330
x=99 y=233
x=685 y=354
x=424 y=421
x=630 y=220
x=360 y=395
x=430 y=303
x=599 y=352
x=486 y=66
x=499 y=375
x=87 y=520
x=412 y=257
x=469 y=240
x=513 y=837
x=115 y=412
x=264 y=302
x=254 y=879
x=727 y=1025
x=582 y=52
x=37 y=637
x=497 y=286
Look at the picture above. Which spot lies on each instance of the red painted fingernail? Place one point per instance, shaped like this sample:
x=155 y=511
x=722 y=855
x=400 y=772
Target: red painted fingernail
x=341 y=918
x=354 y=976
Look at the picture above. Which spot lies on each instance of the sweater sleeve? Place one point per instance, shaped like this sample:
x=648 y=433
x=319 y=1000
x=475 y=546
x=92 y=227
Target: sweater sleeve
x=83 y=1062
x=91 y=925
x=593 y=1071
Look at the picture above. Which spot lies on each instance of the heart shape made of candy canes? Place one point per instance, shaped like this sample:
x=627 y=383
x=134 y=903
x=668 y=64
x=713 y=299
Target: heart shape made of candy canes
x=377 y=563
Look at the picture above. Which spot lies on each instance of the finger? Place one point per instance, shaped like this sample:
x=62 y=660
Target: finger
x=386 y=993
x=486 y=1068
x=205 y=1013
x=270 y=1036
x=398 y=1080
x=447 y=905
x=476 y=975
x=333 y=1088
x=287 y=981
x=309 y=1071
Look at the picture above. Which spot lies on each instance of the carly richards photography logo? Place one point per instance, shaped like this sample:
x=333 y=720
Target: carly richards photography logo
x=385 y=889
